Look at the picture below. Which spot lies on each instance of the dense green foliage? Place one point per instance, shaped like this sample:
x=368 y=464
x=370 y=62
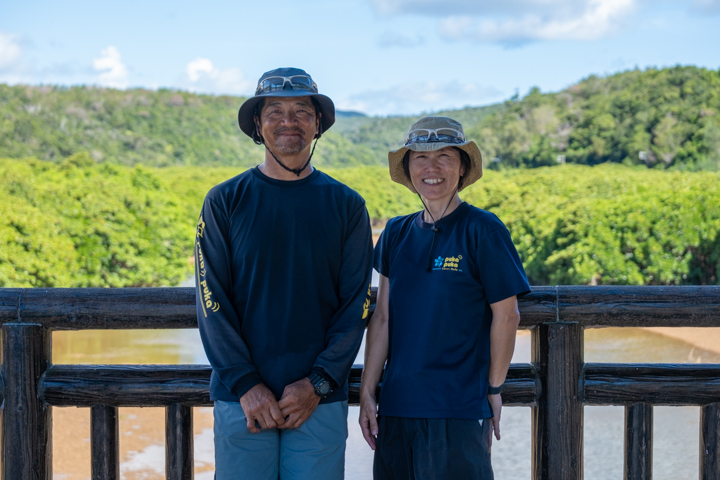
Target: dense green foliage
x=78 y=224
x=672 y=115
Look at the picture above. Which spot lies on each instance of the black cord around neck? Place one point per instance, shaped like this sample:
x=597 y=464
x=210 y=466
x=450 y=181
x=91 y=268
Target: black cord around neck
x=435 y=229
x=296 y=171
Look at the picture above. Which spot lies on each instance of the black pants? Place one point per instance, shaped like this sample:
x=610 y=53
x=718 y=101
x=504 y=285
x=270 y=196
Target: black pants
x=432 y=449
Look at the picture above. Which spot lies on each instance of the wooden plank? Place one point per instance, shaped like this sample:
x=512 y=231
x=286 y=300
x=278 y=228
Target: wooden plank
x=104 y=443
x=143 y=308
x=163 y=385
x=109 y=308
x=710 y=442
x=557 y=420
x=640 y=306
x=656 y=384
x=539 y=306
x=179 y=442
x=9 y=302
x=638 y=442
x=26 y=420
x=126 y=385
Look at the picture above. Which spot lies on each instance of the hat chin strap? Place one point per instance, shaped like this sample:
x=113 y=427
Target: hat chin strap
x=296 y=171
x=435 y=229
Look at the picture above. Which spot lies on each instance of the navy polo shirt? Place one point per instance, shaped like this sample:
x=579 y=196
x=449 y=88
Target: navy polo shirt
x=439 y=320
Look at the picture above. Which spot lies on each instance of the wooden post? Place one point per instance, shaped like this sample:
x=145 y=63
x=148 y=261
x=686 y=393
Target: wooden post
x=105 y=443
x=638 y=442
x=557 y=420
x=710 y=442
x=179 y=442
x=26 y=420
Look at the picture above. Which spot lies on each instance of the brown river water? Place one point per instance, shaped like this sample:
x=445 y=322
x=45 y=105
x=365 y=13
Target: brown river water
x=142 y=429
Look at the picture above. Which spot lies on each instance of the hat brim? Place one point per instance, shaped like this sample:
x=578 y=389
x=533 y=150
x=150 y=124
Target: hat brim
x=247 y=109
x=397 y=173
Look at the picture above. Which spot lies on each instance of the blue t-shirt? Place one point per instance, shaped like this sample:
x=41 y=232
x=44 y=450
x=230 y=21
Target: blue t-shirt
x=439 y=321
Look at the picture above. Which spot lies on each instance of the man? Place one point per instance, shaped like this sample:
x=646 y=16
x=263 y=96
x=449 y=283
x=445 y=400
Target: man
x=283 y=257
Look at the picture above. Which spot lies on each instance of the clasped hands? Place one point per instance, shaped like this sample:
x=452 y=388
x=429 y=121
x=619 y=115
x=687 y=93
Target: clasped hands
x=297 y=403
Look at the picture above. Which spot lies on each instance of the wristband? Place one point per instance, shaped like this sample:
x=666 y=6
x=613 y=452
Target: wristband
x=495 y=390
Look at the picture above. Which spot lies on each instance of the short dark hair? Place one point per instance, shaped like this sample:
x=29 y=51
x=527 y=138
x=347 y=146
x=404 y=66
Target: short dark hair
x=257 y=138
x=464 y=161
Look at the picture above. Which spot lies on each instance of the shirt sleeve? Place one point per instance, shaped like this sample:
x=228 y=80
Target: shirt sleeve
x=381 y=261
x=347 y=326
x=218 y=322
x=499 y=267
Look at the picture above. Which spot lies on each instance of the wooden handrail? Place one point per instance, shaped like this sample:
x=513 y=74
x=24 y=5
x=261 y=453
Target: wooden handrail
x=557 y=384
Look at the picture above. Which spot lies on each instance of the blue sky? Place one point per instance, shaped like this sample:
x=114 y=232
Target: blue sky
x=380 y=57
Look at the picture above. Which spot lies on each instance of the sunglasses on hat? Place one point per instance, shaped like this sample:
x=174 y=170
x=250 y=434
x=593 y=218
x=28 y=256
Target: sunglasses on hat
x=428 y=135
x=277 y=83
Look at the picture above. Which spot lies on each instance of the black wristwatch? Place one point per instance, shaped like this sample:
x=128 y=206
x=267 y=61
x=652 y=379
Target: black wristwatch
x=323 y=388
x=495 y=390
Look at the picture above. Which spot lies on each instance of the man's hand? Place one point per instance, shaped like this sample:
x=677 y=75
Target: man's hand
x=496 y=405
x=368 y=419
x=297 y=403
x=259 y=404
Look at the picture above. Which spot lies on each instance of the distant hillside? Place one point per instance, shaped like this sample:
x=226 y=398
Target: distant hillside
x=661 y=118
x=664 y=118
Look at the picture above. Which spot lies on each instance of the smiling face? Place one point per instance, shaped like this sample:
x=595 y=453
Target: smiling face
x=435 y=175
x=288 y=124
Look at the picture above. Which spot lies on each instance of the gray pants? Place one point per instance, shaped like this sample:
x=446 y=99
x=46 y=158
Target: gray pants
x=314 y=450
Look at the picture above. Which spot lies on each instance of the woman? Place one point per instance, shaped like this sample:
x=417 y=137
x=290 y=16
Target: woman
x=445 y=318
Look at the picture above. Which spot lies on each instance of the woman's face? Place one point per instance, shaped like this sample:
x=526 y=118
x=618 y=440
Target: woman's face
x=436 y=174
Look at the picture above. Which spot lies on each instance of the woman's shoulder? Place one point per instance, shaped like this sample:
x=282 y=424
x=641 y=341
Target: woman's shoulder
x=483 y=221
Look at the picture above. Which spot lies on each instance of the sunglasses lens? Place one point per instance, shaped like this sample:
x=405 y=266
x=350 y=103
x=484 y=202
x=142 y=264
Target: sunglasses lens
x=302 y=82
x=449 y=132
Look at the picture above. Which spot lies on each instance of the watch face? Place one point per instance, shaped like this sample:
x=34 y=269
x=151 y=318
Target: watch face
x=324 y=388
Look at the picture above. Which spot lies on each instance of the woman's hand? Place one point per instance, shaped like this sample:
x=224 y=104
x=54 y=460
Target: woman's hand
x=368 y=419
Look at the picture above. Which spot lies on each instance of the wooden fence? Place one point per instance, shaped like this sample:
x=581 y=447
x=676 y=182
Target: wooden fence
x=556 y=384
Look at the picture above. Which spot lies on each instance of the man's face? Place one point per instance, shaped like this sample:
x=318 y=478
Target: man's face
x=288 y=124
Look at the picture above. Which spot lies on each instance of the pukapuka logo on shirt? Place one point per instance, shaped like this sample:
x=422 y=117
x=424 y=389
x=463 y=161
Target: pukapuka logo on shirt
x=451 y=264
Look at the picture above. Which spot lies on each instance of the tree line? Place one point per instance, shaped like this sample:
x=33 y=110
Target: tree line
x=77 y=223
x=659 y=118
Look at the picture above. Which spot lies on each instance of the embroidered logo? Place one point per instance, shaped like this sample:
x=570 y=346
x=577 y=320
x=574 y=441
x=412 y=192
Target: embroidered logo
x=200 y=227
x=366 y=305
x=451 y=264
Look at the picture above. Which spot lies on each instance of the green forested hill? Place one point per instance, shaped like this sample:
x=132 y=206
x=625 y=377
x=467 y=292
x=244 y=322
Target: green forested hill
x=672 y=115
x=80 y=224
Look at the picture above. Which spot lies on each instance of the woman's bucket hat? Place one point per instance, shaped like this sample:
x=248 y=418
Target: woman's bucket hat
x=285 y=82
x=433 y=133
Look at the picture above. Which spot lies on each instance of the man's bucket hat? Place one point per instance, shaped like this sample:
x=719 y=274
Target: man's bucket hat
x=433 y=133
x=285 y=82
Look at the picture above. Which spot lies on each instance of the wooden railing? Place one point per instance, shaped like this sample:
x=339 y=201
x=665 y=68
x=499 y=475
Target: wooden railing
x=556 y=384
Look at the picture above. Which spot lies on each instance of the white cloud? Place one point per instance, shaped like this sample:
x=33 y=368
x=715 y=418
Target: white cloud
x=518 y=21
x=600 y=18
x=112 y=72
x=412 y=98
x=10 y=51
x=203 y=76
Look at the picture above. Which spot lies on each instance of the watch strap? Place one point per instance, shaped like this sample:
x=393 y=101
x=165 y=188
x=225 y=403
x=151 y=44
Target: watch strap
x=495 y=390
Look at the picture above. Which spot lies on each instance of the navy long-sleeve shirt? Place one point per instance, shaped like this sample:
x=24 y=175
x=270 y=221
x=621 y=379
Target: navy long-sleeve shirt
x=282 y=272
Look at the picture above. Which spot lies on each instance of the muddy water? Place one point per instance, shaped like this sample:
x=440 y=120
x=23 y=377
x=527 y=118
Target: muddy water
x=142 y=429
